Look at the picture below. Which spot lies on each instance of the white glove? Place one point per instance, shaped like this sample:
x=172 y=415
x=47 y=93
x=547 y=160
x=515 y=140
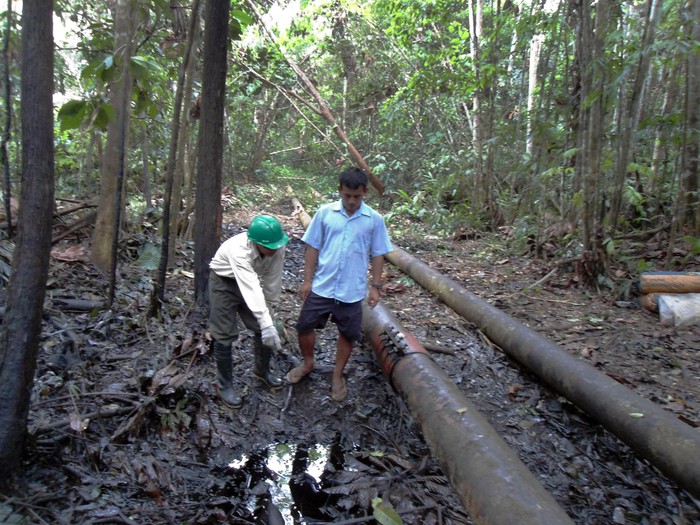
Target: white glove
x=271 y=339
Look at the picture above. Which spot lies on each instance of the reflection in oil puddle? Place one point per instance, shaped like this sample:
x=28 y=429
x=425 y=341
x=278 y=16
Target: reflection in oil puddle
x=284 y=483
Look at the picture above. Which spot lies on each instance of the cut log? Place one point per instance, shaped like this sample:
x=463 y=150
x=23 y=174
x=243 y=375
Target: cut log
x=649 y=301
x=669 y=282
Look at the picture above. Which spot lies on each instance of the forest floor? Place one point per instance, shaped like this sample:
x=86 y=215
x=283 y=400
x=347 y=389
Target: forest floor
x=125 y=425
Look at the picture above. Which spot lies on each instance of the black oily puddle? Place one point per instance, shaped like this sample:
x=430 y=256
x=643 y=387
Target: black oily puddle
x=281 y=483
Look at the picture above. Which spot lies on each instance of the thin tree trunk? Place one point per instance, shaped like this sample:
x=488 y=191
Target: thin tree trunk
x=535 y=49
x=6 y=134
x=691 y=171
x=159 y=289
x=479 y=200
x=145 y=169
x=207 y=226
x=104 y=237
x=631 y=112
x=21 y=329
x=265 y=118
x=182 y=168
x=182 y=155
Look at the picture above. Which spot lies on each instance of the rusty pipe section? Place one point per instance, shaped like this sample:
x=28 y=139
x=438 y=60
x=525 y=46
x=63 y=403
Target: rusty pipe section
x=669 y=444
x=491 y=481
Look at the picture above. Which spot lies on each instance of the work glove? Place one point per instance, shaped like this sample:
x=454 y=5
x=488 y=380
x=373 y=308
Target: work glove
x=281 y=329
x=270 y=338
x=279 y=325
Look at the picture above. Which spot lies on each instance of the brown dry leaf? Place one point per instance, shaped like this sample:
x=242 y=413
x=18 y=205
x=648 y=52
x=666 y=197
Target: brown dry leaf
x=394 y=288
x=514 y=389
x=152 y=477
x=77 y=423
x=162 y=378
x=70 y=253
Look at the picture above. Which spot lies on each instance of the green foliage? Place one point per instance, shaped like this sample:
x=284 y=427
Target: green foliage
x=385 y=513
x=238 y=22
x=177 y=418
x=694 y=244
x=90 y=113
x=67 y=153
x=149 y=258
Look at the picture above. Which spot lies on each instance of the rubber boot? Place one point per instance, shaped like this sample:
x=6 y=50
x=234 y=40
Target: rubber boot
x=224 y=378
x=263 y=354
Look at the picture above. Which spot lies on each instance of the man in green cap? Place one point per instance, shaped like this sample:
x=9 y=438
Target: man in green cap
x=246 y=279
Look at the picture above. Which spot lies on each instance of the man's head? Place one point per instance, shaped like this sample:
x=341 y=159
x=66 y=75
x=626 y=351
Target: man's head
x=267 y=232
x=353 y=178
x=352 y=188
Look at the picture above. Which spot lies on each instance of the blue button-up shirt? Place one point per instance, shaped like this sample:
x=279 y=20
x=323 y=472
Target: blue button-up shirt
x=345 y=245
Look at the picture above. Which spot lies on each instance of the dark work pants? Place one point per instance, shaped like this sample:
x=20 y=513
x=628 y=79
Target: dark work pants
x=225 y=301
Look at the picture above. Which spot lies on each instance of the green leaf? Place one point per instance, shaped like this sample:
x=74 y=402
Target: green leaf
x=103 y=116
x=144 y=67
x=102 y=70
x=243 y=18
x=385 y=513
x=150 y=257
x=72 y=114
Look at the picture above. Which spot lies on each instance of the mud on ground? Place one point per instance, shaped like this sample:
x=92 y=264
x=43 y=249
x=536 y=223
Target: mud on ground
x=126 y=427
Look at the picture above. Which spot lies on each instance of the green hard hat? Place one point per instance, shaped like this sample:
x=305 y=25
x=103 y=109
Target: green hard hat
x=267 y=231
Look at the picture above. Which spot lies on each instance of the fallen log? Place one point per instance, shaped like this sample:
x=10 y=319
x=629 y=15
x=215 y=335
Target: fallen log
x=649 y=301
x=669 y=282
x=653 y=433
x=493 y=484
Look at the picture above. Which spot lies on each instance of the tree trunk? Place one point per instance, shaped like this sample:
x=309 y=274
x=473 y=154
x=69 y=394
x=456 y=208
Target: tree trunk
x=590 y=51
x=104 y=237
x=265 y=119
x=475 y=26
x=170 y=209
x=182 y=165
x=21 y=329
x=207 y=227
x=347 y=57
x=145 y=169
x=535 y=49
x=630 y=112
x=7 y=131
x=691 y=171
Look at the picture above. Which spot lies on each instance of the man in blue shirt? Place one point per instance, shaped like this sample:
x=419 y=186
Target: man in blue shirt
x=343 y=239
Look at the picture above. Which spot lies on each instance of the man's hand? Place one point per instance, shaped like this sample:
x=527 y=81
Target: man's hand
x=304 y=290
x=271 y=338
x=374 y=297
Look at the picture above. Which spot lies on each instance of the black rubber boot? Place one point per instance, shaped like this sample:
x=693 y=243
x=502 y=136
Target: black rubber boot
x=263 y=354
x=224 y=378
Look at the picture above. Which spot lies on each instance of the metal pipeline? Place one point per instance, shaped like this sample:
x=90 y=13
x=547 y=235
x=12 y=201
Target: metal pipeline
x=652 y=432
x=493 y=484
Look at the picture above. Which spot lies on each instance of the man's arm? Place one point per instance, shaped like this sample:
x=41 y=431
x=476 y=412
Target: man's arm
x=310 y=262
x=376 y=269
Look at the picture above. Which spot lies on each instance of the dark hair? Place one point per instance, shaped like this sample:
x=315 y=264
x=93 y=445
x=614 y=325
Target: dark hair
x=353 y=178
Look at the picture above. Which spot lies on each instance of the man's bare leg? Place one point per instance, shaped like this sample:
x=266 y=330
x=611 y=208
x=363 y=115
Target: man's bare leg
x=307 y=342
x=339 y=387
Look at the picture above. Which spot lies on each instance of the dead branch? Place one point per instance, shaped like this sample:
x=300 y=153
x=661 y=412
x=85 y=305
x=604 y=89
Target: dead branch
x=75 y=226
